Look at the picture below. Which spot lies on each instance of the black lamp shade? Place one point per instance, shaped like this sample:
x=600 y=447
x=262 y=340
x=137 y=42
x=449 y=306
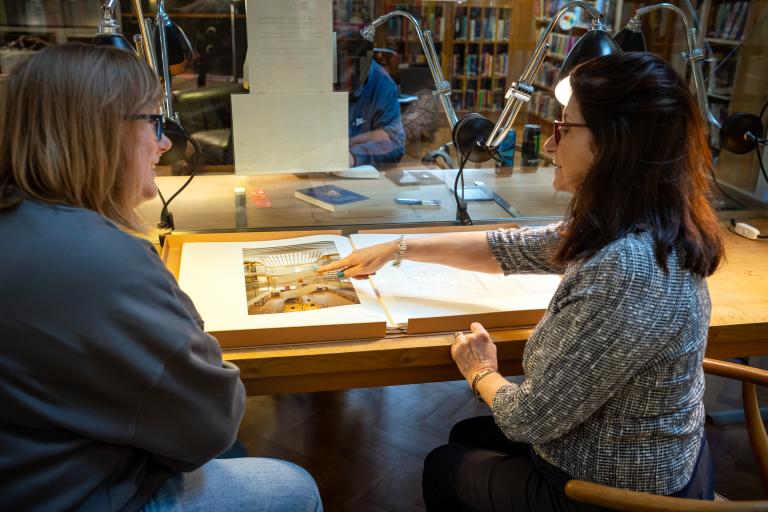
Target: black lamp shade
x=630 y=40
x=733 y=133
x=470 y=135
x=179 y=47
x=594 y=43
x=114 y=40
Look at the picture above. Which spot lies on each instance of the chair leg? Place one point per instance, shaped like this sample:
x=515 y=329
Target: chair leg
x=756 y=431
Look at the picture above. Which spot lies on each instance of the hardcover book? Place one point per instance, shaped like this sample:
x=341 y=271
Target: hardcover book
x=330 y=197
x=268 y=292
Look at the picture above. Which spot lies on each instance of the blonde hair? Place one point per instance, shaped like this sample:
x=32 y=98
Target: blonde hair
x=64 y=132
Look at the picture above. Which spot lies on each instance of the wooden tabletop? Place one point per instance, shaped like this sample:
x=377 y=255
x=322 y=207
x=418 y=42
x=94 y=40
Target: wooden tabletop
x=739 y=327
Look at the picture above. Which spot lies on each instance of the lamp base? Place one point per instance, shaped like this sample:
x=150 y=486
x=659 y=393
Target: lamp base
x=733 y=133
x=470 y=135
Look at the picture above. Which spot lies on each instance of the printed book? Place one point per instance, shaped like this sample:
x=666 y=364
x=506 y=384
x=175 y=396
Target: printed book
x=330 y=197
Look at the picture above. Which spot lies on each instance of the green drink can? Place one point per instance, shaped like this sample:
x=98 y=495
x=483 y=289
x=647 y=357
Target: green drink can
x=529 y=159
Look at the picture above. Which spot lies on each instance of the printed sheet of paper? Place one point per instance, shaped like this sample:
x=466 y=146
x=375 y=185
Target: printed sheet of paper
x=290 y=45
x=270 y=284
x=290 y=132
x=423 y=290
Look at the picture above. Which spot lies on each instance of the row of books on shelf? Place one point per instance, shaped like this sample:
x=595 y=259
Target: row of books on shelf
x=548 y=74
x=721 y=73
x=545 y=106
x=561 y=43
x=473 y=24
x=548 y=8
x=434 y=19
x=485 y=65
x=485 y=100
x=729 y=20
x=396 y=25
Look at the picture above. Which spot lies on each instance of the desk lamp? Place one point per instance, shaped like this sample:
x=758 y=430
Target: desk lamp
x=173 y=53
x=475 y=137
x=630 y=38
x=109 y=29
x=741 y=132
x=442 y=86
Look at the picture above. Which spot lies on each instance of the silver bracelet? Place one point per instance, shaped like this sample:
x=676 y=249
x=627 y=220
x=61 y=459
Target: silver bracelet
x=400 y=253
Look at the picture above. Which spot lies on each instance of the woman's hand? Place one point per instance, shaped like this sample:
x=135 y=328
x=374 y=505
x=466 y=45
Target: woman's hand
x=474 y=352
x=363 y=262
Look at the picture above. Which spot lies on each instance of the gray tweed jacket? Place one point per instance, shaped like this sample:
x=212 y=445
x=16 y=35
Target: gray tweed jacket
x=614 y=383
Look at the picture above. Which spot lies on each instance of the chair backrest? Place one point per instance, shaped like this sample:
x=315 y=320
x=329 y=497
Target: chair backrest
x=631 y=501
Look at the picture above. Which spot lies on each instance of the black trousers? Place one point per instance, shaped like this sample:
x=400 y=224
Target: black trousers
x=481 y=470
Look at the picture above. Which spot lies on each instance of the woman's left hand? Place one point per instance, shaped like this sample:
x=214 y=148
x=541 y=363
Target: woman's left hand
x=474 y=351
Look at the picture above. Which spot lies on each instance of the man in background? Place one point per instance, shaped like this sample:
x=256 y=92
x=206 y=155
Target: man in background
x=376 y=134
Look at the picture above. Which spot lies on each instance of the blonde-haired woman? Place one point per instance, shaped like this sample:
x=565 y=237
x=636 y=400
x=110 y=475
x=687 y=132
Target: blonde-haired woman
x=113 y=396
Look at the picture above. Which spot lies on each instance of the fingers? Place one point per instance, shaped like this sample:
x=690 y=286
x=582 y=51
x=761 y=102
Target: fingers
x=478 y=331
x=334 y=265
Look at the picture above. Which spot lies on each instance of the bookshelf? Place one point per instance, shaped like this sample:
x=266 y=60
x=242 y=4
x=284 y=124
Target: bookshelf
x=472 y=39
x=479 y=57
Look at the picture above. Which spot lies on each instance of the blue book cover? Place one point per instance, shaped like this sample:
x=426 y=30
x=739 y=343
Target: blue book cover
x=329 y=197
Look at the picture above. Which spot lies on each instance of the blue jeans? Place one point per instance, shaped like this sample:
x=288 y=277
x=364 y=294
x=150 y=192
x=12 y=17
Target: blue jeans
x=250 y=483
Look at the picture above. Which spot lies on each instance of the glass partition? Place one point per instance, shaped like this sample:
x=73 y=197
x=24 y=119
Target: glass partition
x=481 y=47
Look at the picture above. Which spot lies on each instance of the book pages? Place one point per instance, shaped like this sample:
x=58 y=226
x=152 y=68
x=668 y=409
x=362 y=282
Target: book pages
x=272 y=284
x=422 y=290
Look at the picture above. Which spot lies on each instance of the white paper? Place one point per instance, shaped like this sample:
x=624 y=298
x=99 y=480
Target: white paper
x=423 y=290
x=290 y=45
x=281 y=133
x=212 y=274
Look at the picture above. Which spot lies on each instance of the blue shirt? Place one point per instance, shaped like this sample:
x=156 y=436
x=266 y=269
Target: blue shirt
x=374 y=106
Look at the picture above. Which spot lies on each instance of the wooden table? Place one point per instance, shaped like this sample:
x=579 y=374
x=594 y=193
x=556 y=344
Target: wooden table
x=739 y=327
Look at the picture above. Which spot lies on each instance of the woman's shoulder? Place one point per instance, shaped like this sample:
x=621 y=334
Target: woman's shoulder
x=72 y=240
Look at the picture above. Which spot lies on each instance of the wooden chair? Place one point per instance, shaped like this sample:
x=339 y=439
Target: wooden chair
x=630 y=501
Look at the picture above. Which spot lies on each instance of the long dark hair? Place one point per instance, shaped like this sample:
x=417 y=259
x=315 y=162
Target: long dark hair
x=652 y=166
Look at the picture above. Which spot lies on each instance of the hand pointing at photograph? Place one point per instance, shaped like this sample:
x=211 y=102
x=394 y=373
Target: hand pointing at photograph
x=362 y=263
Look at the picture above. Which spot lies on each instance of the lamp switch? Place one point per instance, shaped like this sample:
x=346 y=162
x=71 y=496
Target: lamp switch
x=745 y=230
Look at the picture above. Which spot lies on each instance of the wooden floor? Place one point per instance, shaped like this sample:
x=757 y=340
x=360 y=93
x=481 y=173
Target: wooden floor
x=365 y=447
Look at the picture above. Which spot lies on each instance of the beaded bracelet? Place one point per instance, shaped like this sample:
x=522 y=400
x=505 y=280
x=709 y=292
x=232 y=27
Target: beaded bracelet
x=477 y=378
x=400 y=253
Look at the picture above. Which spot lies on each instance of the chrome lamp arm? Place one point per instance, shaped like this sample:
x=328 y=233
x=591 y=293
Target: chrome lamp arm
x=694 y=55
x=146 y=47
x=442 y=86
x=520 y=92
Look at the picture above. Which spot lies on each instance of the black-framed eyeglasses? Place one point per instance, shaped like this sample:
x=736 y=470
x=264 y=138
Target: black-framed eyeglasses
x=560 y=124
x=156 y=119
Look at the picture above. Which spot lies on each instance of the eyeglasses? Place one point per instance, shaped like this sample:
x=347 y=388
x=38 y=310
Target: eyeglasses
x=559 y=124
x=156 y=119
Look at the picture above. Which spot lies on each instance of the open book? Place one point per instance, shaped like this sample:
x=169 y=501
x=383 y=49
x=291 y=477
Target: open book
x=263 y=292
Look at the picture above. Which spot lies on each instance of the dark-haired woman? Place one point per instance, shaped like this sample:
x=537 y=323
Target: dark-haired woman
x=613 y=380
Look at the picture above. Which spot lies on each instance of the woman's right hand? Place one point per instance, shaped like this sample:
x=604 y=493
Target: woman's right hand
x=363 y=262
